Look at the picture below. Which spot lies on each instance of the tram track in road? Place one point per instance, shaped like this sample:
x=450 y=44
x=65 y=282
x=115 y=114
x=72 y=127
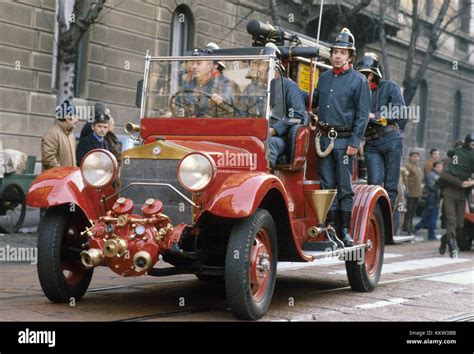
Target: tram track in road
x=206 y=309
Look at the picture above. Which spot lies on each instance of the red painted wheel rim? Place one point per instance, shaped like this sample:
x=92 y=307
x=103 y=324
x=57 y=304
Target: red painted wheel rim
x=372 y=254
x=72 y=272
x=260 y=265
x=72 y=269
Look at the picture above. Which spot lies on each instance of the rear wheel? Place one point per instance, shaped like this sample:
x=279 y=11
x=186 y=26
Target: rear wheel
x=61 y=273
x=12 y=207
x=364 y=274
x=251 y=263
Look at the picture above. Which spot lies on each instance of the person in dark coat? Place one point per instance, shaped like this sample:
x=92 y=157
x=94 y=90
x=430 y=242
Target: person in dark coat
x=96 y=140
x=433 y=191
x=99 y=109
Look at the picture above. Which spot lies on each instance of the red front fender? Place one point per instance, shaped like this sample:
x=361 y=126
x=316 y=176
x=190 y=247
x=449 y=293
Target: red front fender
x=65 y=185
x=365 y=199
x=241 y=194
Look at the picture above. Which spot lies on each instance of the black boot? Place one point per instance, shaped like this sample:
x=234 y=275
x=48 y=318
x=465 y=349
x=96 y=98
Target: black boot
x=346 y=217
x=453 y=247
x=333 y=218
x=442 y=246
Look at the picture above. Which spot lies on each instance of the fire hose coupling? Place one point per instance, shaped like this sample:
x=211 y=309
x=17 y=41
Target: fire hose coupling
x=314 y=231
x=91 y=258
x=142 y=261
x=115 y=247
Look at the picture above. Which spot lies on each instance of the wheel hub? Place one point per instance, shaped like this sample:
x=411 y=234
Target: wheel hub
x=263 y=264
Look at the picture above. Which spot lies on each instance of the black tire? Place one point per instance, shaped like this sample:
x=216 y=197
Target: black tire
x=57 y=254
x=364 y=276
x=217 y=279
x=12 y=196
x=464 y=238
x=248 y=299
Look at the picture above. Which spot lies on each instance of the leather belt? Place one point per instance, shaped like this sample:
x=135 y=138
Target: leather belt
x=374 y=132
x=342 y=132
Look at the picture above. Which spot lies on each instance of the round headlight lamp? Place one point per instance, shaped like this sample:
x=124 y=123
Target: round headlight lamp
x=99 y=168
x=196 y=171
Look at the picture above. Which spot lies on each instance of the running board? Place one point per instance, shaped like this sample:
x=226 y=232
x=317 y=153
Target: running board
x=335 y=253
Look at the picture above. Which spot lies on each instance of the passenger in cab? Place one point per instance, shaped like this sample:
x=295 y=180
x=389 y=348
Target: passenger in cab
x=205 y=95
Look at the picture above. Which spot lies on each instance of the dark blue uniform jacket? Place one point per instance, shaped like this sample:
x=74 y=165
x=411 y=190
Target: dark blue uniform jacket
x=344 y=101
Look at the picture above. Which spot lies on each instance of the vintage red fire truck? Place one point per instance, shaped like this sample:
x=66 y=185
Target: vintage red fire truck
x=197 y=194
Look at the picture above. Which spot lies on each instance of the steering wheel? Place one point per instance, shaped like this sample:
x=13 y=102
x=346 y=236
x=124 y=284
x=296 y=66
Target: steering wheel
x=191 y=108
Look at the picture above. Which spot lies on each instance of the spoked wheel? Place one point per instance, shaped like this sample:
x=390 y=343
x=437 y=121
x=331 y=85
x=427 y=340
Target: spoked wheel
x=364 y=274
x=12 y=207
x=61 y=273
x=251 y=263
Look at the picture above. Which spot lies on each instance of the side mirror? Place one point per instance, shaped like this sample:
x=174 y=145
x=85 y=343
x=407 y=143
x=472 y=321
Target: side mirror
x=138 y=97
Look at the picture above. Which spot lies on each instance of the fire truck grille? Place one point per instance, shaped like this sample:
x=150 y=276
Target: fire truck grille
x=157 y=171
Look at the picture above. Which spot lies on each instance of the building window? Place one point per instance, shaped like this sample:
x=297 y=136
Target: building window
x=423 y=102
x=466 y=16
x=182 y=35
x=457 y=117
x=465 y=26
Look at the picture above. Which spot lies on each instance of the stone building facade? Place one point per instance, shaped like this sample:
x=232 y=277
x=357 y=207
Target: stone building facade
x=111 y=61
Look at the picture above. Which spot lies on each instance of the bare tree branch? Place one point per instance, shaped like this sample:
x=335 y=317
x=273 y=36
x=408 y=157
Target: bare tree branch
x=412 y=85
x=415 y=31
x=383 y=42
x=275 y=13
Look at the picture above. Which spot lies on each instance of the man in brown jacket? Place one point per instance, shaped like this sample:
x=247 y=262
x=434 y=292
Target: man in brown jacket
x=414 y=190
x=58 y=145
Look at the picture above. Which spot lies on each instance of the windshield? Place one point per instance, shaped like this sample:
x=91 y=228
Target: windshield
x=207 y=88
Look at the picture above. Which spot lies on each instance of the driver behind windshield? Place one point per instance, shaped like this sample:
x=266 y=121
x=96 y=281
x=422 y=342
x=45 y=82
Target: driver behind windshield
x=205 y=95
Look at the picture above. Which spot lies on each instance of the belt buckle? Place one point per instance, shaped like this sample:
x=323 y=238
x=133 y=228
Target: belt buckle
x=332 y=134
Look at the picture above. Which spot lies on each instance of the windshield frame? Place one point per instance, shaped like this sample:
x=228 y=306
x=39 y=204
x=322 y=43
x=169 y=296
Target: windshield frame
x=148 y=59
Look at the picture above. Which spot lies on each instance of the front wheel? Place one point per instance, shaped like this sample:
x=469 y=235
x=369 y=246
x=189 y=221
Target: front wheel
x=250 y=267
x=62 y=276
x=364 y=272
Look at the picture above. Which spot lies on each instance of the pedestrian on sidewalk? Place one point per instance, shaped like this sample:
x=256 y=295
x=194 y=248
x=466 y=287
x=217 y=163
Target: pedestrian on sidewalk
x=428 y=167
x=456 y=182
x=414 y=190
x=433 y=197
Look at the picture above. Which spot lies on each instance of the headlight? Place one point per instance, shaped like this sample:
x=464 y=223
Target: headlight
x=99 y=168
x=196 y=171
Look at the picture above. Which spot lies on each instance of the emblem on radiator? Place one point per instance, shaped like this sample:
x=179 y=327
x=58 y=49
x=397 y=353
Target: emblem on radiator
x=156 y=150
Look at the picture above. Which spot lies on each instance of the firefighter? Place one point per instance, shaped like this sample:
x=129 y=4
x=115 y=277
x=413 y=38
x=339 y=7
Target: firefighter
x=384 y=135
x=289 y=109
x=455 y=182
x=343 y=98
x=205 y=95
